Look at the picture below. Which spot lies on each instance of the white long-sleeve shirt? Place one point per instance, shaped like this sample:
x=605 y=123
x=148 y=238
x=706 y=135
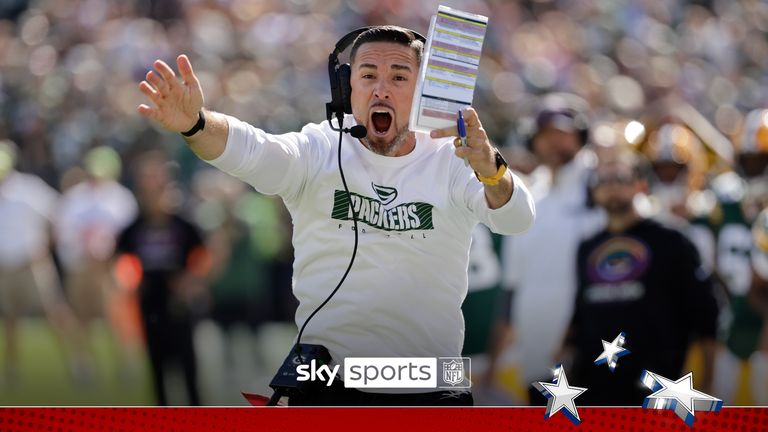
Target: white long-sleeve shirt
x=416 y=212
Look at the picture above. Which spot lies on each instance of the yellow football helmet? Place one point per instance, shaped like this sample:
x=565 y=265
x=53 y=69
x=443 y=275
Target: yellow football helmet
x=675 y=144
x=672 y=143
x=754 y=134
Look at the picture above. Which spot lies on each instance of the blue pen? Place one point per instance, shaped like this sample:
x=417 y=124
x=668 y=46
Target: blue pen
x=462 y=133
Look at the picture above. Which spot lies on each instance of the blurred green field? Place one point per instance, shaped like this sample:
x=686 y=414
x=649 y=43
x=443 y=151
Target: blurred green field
x=227 y=365
x=44 y=376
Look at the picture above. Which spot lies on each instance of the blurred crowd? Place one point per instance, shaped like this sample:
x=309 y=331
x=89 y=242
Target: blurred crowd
x=69 y=67
x=669 y=79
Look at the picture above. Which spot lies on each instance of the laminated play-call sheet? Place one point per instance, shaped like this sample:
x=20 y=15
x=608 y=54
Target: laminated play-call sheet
x=449 y=68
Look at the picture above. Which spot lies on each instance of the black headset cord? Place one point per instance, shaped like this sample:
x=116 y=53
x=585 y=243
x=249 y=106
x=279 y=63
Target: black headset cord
x=297 y=347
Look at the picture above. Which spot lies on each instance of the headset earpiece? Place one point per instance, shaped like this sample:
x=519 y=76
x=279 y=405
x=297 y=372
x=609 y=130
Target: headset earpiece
x=345 y=88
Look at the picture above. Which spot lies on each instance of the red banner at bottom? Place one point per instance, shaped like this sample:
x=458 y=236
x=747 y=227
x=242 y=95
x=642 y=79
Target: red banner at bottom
x=369 y=419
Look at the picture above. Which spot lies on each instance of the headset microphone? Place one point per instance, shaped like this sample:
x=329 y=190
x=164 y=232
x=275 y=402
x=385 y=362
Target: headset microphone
x=357 y=131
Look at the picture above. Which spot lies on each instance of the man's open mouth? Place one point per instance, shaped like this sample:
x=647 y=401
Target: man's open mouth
x=381 y=119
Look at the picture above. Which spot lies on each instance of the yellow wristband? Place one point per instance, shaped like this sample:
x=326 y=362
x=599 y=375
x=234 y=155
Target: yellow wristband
x=493 y=180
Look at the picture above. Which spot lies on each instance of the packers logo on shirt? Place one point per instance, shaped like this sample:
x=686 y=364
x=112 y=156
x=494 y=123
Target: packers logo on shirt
x=373 y=212
x=386 y=194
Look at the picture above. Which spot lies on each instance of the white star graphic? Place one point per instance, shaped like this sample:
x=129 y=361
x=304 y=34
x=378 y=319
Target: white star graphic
x=612 y=351
x=679 y=396
x=560 y=396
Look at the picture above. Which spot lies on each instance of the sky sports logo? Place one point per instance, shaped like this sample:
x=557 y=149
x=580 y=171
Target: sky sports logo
x=392 y=372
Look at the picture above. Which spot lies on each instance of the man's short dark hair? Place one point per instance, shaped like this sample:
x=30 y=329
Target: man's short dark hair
x=388 y=33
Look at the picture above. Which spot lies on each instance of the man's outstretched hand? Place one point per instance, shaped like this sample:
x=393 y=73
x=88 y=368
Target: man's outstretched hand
x=480 y=154
x=176 y=101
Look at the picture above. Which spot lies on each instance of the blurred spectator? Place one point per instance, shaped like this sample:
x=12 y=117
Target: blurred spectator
x=245 y=235
x=740 y=196
x=239 y=274
x=169 y=256
x=90 y=216
x=539 y=263
x=642 y=279
x=27 y=270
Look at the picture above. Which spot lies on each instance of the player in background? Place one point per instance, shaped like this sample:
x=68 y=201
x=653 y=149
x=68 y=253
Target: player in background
x=539 y=266
x=676 y=195
x=247 y=238
x=740 y=196
x=758 y=296
x=91 y=215
x=172 y=264
x=486 y=313
x=28 y=276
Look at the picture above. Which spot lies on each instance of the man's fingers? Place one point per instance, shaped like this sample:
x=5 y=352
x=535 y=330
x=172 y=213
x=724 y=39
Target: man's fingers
x=157 y=82
x=151 y=93
x=444 y=132
x=470 y=153
x=471 y=118
x=148 y=111
x=466 y=152
x=475 y=134
x=185 y=69
x=147 y=89
x=165 y=71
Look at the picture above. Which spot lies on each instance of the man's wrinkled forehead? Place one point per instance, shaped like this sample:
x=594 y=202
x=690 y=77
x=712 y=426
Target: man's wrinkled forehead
x=372 y=53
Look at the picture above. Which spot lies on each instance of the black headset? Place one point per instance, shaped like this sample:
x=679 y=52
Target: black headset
x=340 y=74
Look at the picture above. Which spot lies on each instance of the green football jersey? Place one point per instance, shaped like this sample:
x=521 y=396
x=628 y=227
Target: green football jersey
x=481 y=306
x=734 y=246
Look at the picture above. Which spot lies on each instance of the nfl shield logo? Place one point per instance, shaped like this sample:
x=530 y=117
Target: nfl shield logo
x=453 y=372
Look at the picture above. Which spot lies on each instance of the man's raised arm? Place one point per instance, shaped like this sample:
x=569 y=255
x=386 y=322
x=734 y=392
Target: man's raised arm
x=178 y=104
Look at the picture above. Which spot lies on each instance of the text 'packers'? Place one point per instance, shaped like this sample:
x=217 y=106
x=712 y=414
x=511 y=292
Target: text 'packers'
x=403 y=217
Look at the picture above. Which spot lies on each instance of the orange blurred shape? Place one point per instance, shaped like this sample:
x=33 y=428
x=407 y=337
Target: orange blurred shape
x=199 y=261
x=128 y=271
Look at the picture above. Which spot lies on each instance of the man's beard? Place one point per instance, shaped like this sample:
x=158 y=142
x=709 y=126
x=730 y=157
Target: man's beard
x=385 y=148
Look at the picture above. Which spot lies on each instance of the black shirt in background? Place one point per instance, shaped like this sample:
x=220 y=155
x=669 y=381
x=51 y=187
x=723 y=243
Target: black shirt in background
x=648 y=283
x=163 y=250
